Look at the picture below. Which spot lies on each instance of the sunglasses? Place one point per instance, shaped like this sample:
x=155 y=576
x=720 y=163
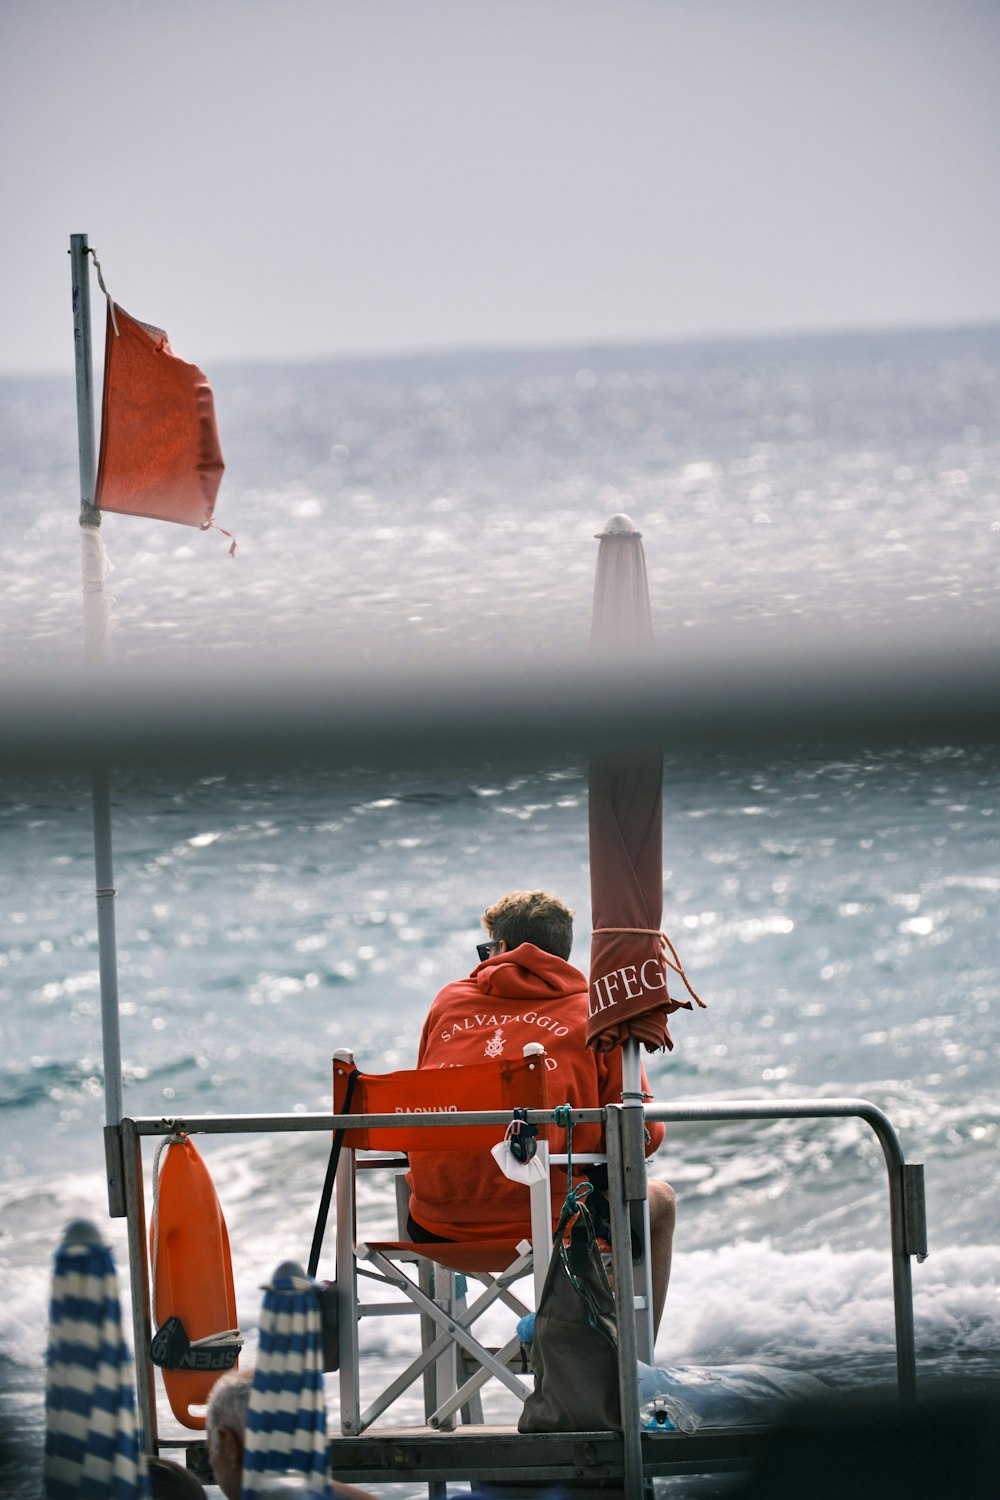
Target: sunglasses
x=487 y=950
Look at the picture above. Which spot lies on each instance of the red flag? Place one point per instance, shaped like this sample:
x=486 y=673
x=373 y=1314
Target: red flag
x=160 y=455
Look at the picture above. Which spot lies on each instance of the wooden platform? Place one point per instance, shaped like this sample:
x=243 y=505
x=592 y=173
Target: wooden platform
x=503 y=1457
x=503 y=1453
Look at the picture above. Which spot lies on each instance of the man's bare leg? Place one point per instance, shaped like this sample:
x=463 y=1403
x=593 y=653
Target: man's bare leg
x=662 y=1217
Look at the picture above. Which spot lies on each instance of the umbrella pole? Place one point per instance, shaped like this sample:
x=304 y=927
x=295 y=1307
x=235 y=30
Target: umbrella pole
x=639 y=1209
x=94 y=652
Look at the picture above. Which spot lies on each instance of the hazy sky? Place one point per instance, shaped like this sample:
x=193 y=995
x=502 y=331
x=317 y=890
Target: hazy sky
x=307 y=177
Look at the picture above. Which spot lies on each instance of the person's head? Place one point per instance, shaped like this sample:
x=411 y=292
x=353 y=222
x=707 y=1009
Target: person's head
x=531 y=917
x=170 y=1481
x=225 y=1430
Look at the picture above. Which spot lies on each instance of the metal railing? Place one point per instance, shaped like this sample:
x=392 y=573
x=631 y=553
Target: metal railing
x=907 y=1219
x=907 y=1214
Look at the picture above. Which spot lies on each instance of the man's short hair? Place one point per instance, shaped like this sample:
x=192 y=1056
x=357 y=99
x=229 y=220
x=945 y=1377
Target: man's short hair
x=227 y=1404
x=531 y=917
x=170 y=1481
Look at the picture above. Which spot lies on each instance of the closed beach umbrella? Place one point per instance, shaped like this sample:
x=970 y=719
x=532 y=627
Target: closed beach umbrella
x=286 y=1417
x=91 y=1432
x=629 y=999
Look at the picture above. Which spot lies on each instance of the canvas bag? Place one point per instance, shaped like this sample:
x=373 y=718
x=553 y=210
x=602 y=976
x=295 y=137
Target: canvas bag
x=574 y=1353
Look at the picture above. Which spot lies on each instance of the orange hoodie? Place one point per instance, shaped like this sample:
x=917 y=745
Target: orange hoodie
x=526 y=995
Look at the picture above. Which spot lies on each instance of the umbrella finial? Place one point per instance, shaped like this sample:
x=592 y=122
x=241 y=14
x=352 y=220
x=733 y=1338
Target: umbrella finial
x=289 y=1272
x=290 y=1268
x=80 y=1232
x=618 y=525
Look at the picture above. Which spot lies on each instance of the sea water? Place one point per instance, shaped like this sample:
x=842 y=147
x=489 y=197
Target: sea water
x=838 y=915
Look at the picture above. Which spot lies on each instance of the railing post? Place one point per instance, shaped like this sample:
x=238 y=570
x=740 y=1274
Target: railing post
x=540 y=1200
x=138 y=1260
x=347 y=1290
x=621 y=1250
x=905 y=1189
x=117 y=1206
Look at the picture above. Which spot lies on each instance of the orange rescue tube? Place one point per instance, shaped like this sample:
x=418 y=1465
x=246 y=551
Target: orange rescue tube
x=189 y=1251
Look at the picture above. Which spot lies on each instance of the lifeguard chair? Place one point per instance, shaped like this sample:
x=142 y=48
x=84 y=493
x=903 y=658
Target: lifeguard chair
x=453 y=1360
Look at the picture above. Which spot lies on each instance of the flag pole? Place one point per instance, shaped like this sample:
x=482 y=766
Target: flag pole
x=94 y=563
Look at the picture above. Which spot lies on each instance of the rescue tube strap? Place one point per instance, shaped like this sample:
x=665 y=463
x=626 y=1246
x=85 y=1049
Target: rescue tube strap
x=171 y=1349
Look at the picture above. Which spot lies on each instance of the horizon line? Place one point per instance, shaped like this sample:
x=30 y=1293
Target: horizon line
x=555 y=346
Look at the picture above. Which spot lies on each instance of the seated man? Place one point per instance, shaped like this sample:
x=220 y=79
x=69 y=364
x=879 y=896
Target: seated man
x=525 y=990
x=225 y=1433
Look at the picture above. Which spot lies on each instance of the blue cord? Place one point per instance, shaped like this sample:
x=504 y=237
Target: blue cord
x=562 y=1115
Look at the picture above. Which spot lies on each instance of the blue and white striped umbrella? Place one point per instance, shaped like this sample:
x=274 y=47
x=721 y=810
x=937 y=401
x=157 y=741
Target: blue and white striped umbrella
x=91 y=1432
x=286 y=1418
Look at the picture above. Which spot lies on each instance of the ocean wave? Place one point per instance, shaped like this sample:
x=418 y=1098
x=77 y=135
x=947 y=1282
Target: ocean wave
x=27 y=1086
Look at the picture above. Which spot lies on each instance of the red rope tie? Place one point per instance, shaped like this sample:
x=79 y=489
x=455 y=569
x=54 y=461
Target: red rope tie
x=672 y=963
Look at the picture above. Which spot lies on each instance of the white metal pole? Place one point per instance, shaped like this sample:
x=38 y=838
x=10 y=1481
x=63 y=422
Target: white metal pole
x=642 y=1271
x=94 y=652
x=79 y=252
x=107 y=945
x=631 y=1072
